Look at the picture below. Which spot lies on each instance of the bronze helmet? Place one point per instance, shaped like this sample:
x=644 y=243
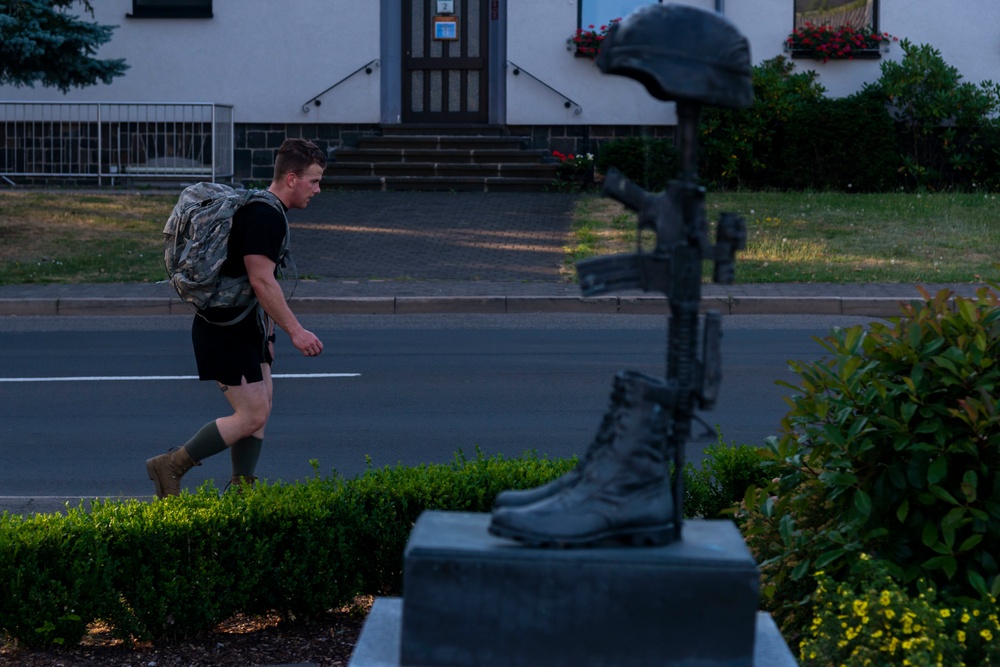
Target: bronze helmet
x=679 y=53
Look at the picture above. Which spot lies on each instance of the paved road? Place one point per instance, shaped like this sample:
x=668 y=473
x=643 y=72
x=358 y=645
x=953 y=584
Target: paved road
x=426 y=386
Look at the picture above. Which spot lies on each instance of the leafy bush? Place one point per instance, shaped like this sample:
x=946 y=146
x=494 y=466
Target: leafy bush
x=54 y=578
x=173 y=564
x=301 y=538
x=650 y=163
x=892 y=447
x=179 y=566
x=722 y=480
x=389 y=500
x=945 y=121
x=815 y=153
x=739 y=147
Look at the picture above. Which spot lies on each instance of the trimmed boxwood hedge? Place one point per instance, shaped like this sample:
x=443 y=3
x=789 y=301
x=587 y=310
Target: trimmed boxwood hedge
x=177 y=567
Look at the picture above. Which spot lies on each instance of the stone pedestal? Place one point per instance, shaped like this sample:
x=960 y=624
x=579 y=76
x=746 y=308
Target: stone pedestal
x=474 y=600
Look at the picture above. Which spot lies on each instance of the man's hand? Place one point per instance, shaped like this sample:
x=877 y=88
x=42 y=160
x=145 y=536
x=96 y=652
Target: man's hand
x=306 y=342
x=268 y=291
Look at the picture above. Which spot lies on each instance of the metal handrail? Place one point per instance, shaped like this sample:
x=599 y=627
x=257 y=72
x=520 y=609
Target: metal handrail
x=568 y=103
x=367 y=67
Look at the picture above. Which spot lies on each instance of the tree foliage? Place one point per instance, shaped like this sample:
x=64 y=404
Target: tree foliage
x=40 y=41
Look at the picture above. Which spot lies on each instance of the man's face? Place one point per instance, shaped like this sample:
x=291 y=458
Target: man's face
x=305 y=187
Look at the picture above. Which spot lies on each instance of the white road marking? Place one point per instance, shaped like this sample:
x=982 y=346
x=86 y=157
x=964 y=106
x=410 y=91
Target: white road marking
x=134 y=378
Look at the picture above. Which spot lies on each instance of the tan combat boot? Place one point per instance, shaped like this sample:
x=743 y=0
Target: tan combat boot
x=167 y=469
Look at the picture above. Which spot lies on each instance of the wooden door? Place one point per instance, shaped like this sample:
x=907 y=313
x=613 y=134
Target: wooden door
x=445 y=62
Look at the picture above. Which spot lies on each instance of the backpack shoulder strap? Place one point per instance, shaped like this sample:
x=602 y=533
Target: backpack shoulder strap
x=272 y=199
x=284 y=255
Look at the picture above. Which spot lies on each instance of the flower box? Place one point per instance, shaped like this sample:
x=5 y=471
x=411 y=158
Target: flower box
x=587 y=43
x=824 y=42
x=856 y=54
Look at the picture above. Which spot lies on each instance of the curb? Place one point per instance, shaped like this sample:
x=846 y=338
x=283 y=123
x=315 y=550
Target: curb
x=492 y=305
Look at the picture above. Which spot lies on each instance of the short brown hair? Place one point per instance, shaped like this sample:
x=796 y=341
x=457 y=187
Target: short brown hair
x=295 y=156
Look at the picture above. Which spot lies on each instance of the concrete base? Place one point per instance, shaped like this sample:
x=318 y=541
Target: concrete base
x=379 y=643
x=474 y=600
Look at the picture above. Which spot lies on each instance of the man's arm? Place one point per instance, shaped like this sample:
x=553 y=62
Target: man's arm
x=260 y=268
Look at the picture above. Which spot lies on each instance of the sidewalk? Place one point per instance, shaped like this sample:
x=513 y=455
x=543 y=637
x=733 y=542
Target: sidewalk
x=459 y=252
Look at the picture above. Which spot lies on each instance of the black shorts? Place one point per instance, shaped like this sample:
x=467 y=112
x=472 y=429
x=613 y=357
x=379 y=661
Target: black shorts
x=227 y=354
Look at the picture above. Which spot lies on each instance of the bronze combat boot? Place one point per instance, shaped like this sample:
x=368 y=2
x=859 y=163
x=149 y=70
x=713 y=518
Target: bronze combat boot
x=600 y=446
x=167 y=469
x=622 y=496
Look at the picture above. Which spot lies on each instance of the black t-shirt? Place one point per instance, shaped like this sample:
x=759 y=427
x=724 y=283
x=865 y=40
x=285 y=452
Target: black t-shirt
x=258 y=229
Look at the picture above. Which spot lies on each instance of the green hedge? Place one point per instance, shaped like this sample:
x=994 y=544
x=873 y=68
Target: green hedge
x=920 y=126
x=648 y=162
x=180 y=566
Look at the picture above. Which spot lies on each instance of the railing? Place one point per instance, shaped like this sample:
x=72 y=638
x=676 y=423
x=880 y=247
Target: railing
x=367 y=68
x=568 y=102
x=115 y=140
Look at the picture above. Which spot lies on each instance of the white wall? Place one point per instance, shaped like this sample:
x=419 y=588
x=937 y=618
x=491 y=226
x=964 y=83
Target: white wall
x=536 y=40
x=266 y=58
x=967 y=32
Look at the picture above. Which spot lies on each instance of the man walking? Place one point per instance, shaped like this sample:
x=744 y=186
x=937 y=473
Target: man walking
x=238 y=356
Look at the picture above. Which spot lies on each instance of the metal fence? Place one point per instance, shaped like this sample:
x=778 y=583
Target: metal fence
x=114 y=140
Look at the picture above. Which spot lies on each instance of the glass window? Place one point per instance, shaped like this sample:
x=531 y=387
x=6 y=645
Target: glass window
x=837 y=13
x=171 y=9
x=598 y=12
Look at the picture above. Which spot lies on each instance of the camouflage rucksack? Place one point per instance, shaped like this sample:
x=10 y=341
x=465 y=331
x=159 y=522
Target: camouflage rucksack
x=195 y=243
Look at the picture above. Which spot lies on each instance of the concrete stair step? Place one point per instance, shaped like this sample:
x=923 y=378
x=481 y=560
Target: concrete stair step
x=440 y=142
x=453 y=155
x=443 y=130
x=442 y=169
x=441 y=158
x=438 y=184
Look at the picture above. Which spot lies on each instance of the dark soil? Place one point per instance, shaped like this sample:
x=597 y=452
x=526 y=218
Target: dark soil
x=240 y=642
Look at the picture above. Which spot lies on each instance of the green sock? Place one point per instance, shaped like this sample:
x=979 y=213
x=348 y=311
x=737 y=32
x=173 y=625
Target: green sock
x=245 y=453
x=206 y=442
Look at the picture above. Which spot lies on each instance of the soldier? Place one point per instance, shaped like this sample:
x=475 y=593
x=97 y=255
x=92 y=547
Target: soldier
x=239 y=356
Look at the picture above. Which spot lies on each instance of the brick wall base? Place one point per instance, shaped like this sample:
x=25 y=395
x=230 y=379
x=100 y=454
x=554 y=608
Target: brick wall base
x=255 y=144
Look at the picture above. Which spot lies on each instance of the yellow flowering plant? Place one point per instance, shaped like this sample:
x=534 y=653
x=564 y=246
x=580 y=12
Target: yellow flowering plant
x=871 y=620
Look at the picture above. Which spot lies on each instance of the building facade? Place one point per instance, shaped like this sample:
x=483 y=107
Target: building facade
x=332 y=71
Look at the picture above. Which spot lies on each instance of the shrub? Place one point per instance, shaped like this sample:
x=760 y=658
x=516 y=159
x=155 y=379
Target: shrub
x=739 y=147
x=945 y=120
x=847 y=144
x=722 y=480
x=179 y=566
x=891 y=446
x=648 y=162
x=387 y=502
x=295 y=547
x=54 y=577
x=173 y=564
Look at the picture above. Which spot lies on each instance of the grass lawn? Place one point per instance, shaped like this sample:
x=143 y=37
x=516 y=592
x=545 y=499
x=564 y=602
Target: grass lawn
x=830 y=237
x=68 y=237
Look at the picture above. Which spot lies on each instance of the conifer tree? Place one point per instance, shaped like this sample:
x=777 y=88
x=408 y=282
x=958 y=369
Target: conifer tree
x=41 y=41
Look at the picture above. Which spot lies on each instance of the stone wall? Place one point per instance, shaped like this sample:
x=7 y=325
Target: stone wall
x=255 y=145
